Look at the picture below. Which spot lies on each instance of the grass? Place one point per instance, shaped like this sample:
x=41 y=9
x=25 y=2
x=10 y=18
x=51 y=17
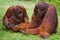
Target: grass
x=10 y=35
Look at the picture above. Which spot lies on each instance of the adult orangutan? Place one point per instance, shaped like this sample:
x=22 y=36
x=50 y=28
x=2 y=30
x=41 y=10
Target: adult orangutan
x=45 y=16
x=14 y=16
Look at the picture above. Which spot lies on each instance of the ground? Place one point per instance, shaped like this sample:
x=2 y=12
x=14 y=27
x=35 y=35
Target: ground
x=10 y=35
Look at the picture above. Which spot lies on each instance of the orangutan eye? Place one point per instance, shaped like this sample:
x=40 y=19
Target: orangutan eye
x=19 y=11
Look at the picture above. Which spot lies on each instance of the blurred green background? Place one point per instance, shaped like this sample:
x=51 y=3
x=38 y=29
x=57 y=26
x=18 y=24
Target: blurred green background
x=29 y=5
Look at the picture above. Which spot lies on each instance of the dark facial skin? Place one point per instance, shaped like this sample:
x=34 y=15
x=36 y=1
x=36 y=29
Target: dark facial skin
x=20 y=14
x=14 y=15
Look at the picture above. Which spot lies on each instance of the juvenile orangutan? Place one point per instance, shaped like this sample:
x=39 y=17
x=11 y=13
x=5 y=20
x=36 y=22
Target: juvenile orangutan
x=14 y=16
x=47 y=25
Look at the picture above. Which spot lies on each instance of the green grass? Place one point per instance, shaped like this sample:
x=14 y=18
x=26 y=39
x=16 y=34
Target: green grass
x=10 y=35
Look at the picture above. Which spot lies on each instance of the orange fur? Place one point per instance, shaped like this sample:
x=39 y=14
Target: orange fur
x=14 y=16
x=48 y=23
